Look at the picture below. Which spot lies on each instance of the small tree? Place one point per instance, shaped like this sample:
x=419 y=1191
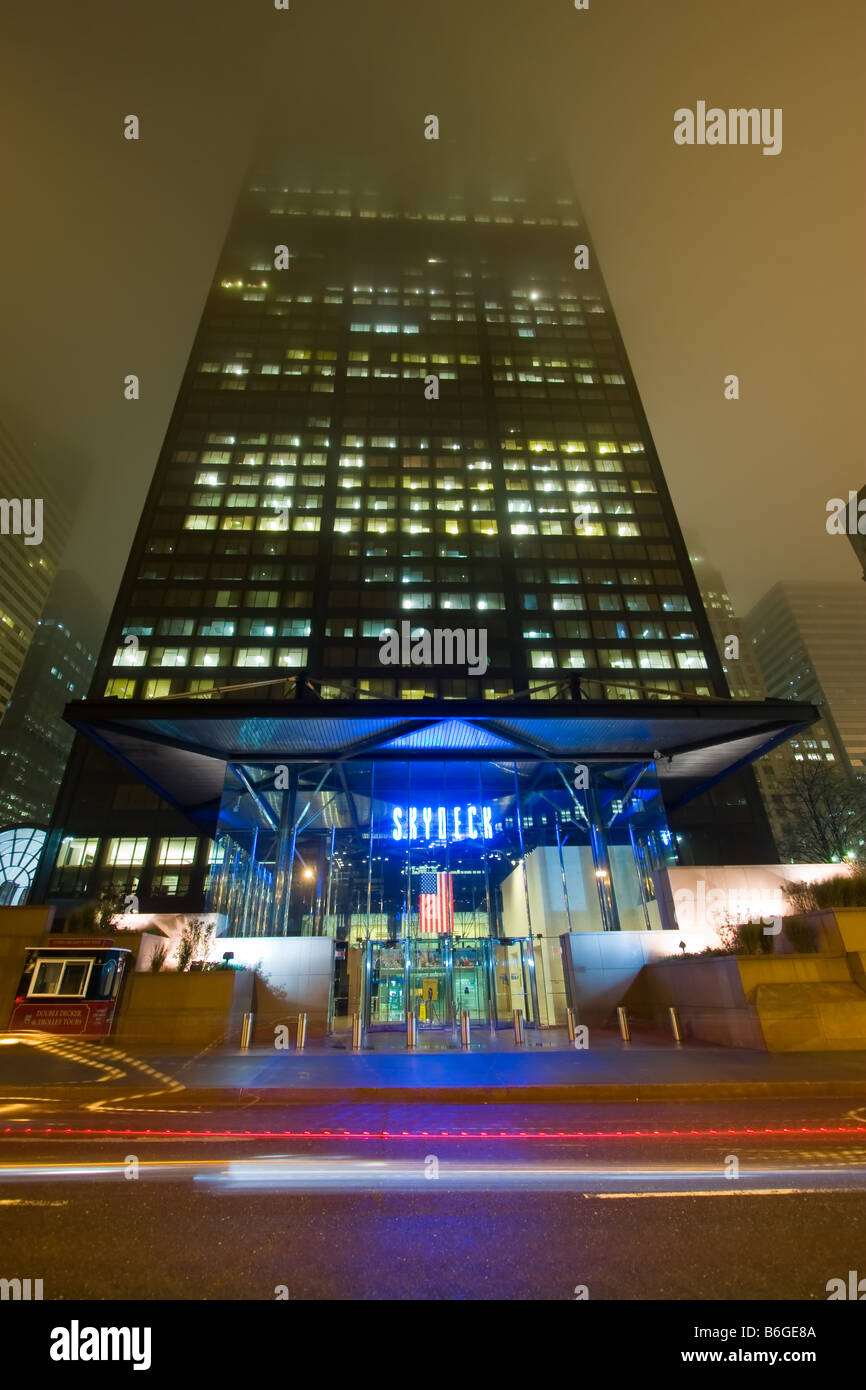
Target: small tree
x=194 y=941
x=94 y=917
x=826 y=814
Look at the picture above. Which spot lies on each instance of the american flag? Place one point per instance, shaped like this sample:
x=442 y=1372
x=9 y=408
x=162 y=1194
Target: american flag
x=437 y=902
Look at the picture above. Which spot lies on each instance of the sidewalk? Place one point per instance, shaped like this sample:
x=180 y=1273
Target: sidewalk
x=544 y=1069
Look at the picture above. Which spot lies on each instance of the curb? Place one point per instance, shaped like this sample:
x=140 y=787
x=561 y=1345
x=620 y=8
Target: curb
x=586 y=1093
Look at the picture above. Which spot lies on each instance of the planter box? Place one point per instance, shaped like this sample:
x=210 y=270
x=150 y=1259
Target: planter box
x=191 y=1009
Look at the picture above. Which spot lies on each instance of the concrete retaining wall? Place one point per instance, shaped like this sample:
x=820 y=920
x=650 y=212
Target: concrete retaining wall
x=20 y=927
x=600 y=968
x=782 y=1003
x=293 y=974
x=192 y=1007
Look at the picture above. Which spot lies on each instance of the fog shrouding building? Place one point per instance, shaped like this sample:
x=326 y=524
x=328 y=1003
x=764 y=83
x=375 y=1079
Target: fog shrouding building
x=809 y=639
x=34 y=525
x=408 y=411
x=34 y=738
x=728 y=631
x=743 y=674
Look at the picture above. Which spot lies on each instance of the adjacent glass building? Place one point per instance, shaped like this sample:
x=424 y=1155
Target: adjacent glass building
x=408 y=411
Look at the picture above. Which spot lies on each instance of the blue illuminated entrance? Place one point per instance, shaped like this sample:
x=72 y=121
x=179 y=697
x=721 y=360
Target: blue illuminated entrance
x=377 y=851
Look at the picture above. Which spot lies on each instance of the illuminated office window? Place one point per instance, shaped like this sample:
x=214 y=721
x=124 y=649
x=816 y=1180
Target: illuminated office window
x=177 y=850
x=126 y=852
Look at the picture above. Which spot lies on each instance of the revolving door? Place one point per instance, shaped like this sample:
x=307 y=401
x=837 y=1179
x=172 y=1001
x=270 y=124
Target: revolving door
x=439 y=977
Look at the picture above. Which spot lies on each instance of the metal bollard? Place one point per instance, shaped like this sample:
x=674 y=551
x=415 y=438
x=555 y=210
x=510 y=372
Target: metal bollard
x=302 y=1031
x=411 y=1029
x=518 y=1026
x=675 y=1024
x=356 y=1032
x=247 y=1031
x=622 y=1019
x=570 y=1020
x=464 y=1028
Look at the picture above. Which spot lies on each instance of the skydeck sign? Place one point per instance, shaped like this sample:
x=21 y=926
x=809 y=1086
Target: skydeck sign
x=445 y=823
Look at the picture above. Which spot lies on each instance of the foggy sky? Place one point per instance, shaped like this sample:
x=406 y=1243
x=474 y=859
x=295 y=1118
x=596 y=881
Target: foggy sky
x=718 y=260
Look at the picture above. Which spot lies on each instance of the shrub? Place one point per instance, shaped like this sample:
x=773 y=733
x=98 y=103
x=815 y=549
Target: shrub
x=745 y=939
x=842 y=890
x=157 y=960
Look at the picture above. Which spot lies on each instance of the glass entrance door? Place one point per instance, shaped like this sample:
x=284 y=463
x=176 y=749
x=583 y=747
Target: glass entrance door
x=430 y=982
x=387 y=974
x=511 y=968
x=472 y=979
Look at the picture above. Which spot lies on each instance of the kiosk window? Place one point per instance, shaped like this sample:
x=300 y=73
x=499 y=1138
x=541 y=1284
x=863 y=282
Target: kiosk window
x=47 y=977
x=106 y=979
x=64 y=977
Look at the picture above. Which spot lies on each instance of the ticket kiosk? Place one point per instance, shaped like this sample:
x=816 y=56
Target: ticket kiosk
x=70 y=985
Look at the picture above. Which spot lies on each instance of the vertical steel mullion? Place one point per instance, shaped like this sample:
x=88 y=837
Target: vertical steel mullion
x=370 y=849
x=601 y=861
x=251 y=877
x=285 y=859
x=562 y=871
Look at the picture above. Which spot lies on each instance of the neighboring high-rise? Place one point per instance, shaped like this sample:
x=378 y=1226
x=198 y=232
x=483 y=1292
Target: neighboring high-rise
x=729 y=635
x=407 y=411
x=809 y=639
x=34 y=738
x=737 y=654
x=34 y=524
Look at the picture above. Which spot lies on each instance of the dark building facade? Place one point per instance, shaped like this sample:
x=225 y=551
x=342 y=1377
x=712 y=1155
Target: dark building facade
x=407 y=412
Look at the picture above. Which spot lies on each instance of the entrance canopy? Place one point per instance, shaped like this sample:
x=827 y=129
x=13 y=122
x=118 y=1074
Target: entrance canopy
x=183 y=748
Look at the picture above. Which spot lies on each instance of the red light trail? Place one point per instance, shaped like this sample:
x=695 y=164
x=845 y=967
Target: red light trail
x=49 y=1132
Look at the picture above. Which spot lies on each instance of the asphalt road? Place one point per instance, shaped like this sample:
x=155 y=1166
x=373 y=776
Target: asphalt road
x=429 y=1202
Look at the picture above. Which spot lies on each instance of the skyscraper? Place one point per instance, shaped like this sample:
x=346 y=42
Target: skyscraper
x=408 y=595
